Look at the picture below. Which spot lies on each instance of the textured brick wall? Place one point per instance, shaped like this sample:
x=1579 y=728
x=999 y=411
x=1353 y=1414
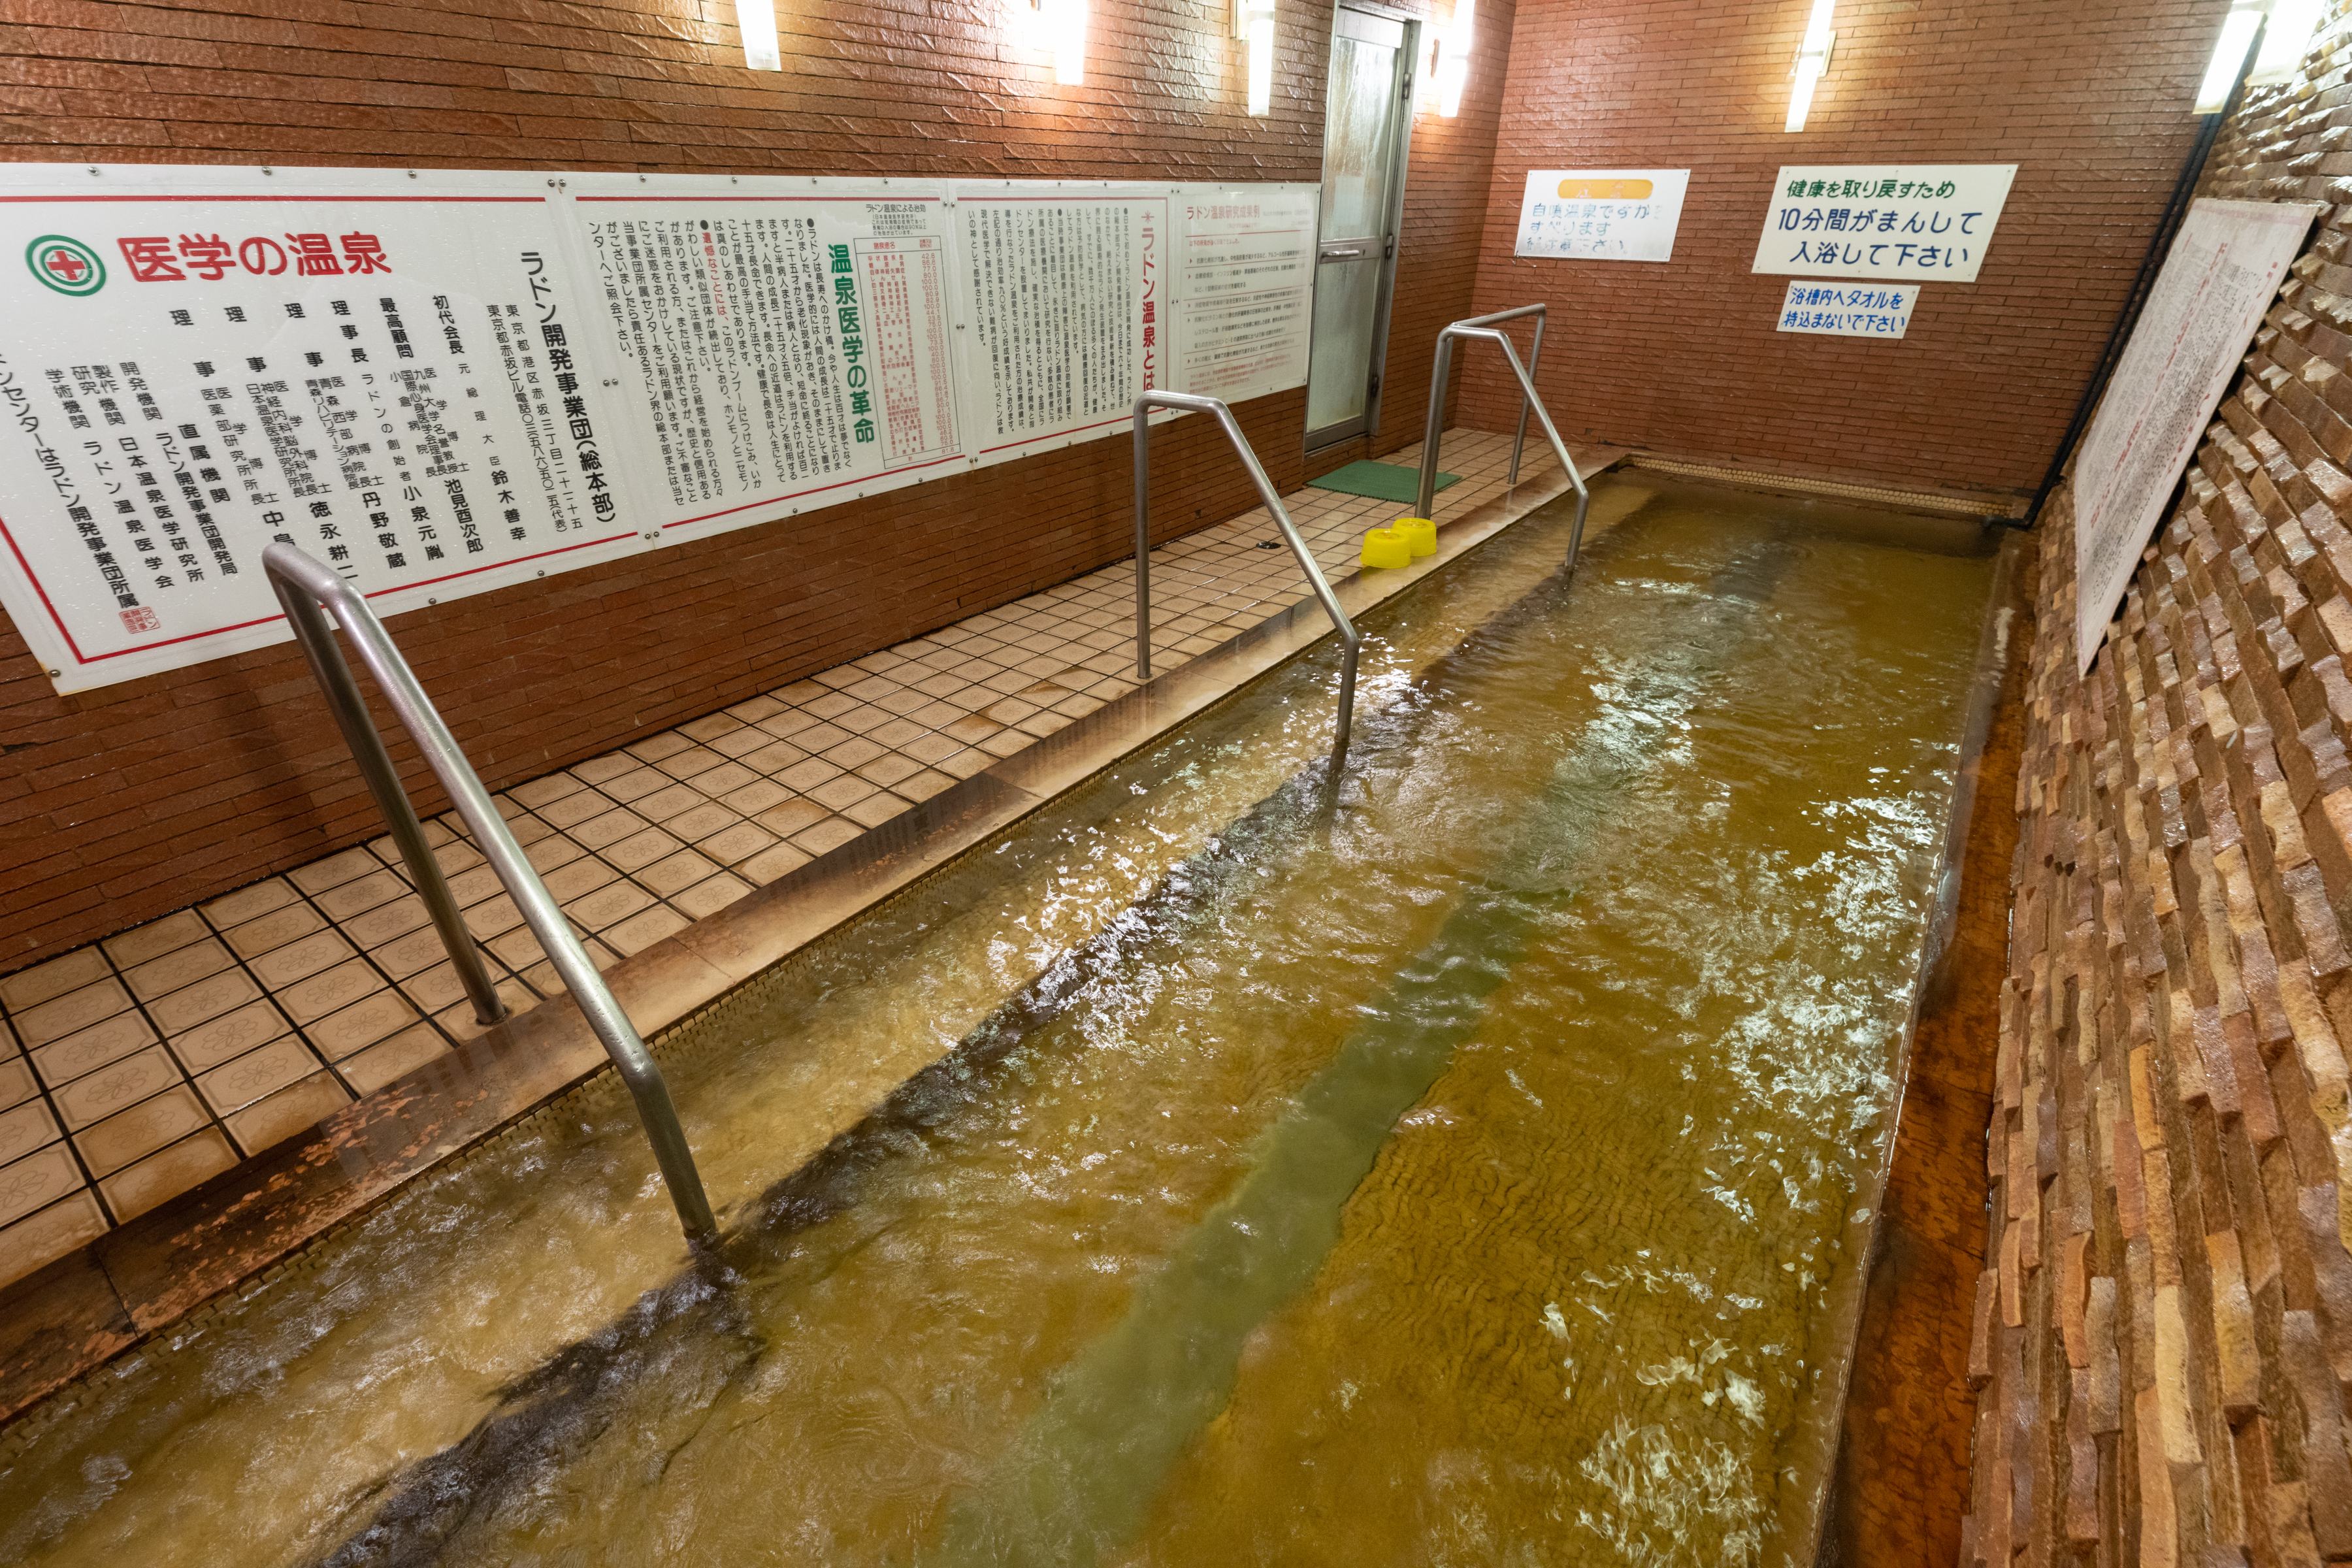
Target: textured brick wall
x=2163 y=1336
x=119 y=804
x=2090 y=98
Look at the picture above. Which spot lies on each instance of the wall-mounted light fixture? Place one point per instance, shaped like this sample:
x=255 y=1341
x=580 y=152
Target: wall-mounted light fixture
x=1453 y=72
x=2287 y=38
x=1056 y=28
x=756 y=20
x=1254 y=24
x=1813 y=59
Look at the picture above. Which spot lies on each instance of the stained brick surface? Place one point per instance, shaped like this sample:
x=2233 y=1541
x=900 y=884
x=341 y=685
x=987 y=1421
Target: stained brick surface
x=119 y=804
x=2091 y=98
x=2163 y=1333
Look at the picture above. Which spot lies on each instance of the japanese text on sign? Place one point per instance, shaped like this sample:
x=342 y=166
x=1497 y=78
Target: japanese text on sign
x=1924 y=223
x=1849 y=309
x=1601 y=214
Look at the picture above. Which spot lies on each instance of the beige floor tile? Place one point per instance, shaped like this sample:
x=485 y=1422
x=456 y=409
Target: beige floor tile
x=852 y=754
x=98 y=1095
x=475 y=884
x=689 y=763
x=754 y=709
x=17 y=1082
x=294 y=1109
x=741 y=739
x=875 y=809
x=295 y=961
x=577 y=879
x=922 y=784
x=545 y=791
x=26 y=1127
x=596 y=769
x=788 y=723
x=405 y=955
x=142 y=945
x=457 y=1020
x=808 y=774
x=329 y=993
x=363 y=1023
x=613 y=901
x=653 y=748
x=28 y=988
x=642 y=929
x=709 y=727
x=249 y=903
x=972 y=728
x=828 y=835
x=609 y=828
x=549 y=853
x=966 y=763
x=739 y=842
x=492 y=917
x=182 y=966
x=232 y=1034
x=374 y=928
x=207 y=999
x=107 y=1146
x=702 y=821
x=791 y=815
x=238 y=1084
x=711 y=895
x=88 y=1049
x=641 y=849
x=39 y=1178
x=165 y=1175
x=841 y=794
x=932 y=747
x=360 y=895
x=69 y=1013
x=676 y=873
x=817 y=738
x=49 y=1235
x=372 y=1069
x=323 y=876
x=574 y=809
x=669 y=802
x=274 y=930
x=755 y=798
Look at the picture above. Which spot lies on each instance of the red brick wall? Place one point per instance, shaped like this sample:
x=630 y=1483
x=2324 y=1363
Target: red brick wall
x=119 y=804
x=2090 y=98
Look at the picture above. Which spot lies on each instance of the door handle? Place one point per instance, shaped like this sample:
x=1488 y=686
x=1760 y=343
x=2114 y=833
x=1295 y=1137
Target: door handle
x=1334 y=253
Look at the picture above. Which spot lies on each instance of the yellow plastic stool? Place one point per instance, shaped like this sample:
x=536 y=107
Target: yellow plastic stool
x=1419 y=533
x=1387 y=547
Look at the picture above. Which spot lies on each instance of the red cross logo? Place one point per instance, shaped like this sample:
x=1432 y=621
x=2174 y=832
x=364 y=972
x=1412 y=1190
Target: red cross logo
x=66 y=264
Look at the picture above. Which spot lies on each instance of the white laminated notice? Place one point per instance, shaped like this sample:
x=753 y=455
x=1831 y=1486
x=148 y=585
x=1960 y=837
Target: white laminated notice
x=1244 y=289
x=2217 y=279
x=1926 y=223
x=383 y=368
x=778 y=341
x=1062 y=304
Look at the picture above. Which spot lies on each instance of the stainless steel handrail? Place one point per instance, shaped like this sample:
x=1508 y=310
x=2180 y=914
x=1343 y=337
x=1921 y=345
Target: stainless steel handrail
x=1350 y=639
x=1487 y=328
x=307 y=587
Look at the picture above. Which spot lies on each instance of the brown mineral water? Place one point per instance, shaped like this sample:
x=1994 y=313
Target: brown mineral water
x=1461 y=1168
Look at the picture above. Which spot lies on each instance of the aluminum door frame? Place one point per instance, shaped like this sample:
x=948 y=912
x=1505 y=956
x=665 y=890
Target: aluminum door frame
x=1409 y=58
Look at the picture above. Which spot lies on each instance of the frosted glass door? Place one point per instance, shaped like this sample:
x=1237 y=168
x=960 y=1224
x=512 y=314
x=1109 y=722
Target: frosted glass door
x=1364 y=130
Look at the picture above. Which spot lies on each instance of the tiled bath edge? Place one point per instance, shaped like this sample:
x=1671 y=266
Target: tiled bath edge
x=1811 y=1449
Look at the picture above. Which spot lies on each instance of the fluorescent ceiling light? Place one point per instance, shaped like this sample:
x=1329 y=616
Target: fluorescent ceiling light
x=1813 y=59
x=2229 y=54
x=756 y=20
x=2287 y=38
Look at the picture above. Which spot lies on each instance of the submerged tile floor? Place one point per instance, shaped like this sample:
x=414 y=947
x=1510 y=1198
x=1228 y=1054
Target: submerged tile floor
x=136 y=1067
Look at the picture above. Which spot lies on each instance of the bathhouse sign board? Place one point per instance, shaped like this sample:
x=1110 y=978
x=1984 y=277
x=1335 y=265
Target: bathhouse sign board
x=1601 y=214
x=441 y=383
x=1928 y=223
x=1849 y=309
x=2217 y=279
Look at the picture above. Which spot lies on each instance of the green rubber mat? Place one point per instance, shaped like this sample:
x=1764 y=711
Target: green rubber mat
x=1383 y=481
